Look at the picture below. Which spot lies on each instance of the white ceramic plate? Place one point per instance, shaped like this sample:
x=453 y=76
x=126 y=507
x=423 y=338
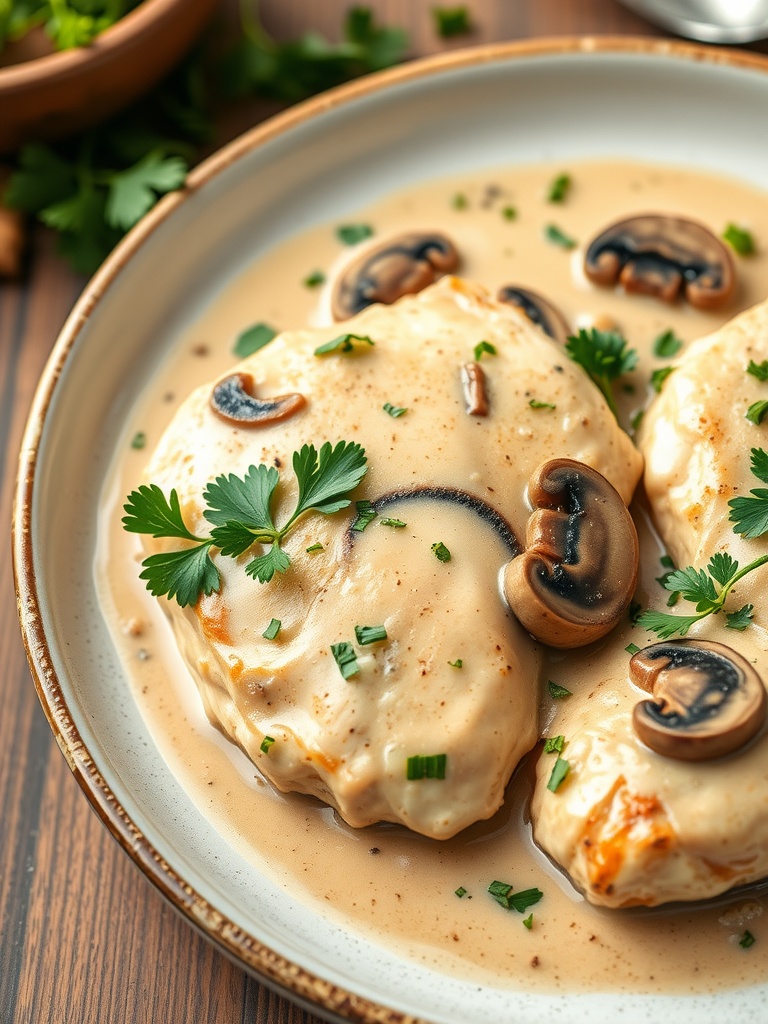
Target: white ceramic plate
x=320 y=162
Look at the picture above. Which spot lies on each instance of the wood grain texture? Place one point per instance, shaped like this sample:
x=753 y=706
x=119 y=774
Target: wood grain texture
x=84 y=939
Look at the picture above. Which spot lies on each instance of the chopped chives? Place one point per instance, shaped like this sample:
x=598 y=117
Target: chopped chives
x=345 y=657
x=253 y=339
x=342 y=344
x=394 y=410
x=370 y=634
x=366 y=513
x=553 y=234
x=559 y=189
x=314 y=280
x=631 y=648
x=759 y=370
x=483 y=347
x=272 y=629
x=314 y=548
x=554 y=744
x=266 y=743
x=535 y=404
x=441 y=552
x=557 y=691
x=559 y=773
x=398 y=524
x=426 y=766
x=138 y=440
x=461 y=891
x=456 y=664
x=351 y=234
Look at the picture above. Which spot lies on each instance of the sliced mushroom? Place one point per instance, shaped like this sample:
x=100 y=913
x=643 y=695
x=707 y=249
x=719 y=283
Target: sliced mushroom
x=487 y=513
x=233 y=400
x=578 y=573
x=538 y=310
x=475 y=389
x=665 y=256
x=709 y=701
x=399 y=266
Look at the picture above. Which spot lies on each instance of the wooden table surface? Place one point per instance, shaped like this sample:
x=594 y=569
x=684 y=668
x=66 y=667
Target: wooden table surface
x=84 y=939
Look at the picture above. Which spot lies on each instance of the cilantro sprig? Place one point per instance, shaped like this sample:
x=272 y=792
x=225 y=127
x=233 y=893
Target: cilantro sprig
x=708 y=589
x=604 y=355
x=240 y=512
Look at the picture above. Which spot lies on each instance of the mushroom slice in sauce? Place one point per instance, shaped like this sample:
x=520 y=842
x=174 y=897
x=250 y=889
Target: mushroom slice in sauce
x=538 y=310
x=475 y=389
x=403 y=265
x=708 y=700
x=578 y=574
x=664 y=256
x=233 y=400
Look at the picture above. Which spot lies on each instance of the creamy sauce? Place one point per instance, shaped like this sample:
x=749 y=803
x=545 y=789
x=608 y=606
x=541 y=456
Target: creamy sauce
x=404 y=889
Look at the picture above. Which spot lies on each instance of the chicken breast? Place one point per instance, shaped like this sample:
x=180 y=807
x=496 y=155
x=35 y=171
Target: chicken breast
x=456 y=674
x=631 y=826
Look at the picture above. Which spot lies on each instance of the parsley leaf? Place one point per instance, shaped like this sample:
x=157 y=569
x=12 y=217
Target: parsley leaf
x=503 y=893
x=739 y=239
x=343 y=344
x=135 y=190
x=759 y=370
x=239 y=509
x=604 y=356
x=667 y=345
x=750 y=514
x=252 y=339
x=556 y=691
x=756 y=412
x=700 y=587
x=352 y=234
x=451 y=21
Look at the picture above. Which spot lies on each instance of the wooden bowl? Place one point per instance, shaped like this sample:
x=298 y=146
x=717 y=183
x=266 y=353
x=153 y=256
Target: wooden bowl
x=55 y=95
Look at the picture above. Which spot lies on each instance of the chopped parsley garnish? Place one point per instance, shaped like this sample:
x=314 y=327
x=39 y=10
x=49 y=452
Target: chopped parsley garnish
x=352 y=234
x=554 y=744
x=604 y=356
x=631 y=648
x=559 y=189
x=459 y=201
x=456 y=664
x=366 y=513
x=270 y=633
x=344 y=343
x=394 y=411
x=314 y=548
x=750 y=514
x=345 y=657
x=503 y=893
x=484 y=348
x=535 y=404
x=556 y=691
x=759 y=370
x=451 y=21
x=667 y=345
x=659 y=376
x=460 y=892
x=139 y=440
x=509 y=212
x=441 y=552
x=528 y=921
x=707 y=589
x=739 y=239
x=747 y=939
x=370 y=634
x=426 y=766
x=553 y=234
x=636 y=420
x=314 y=280
x=740 y=619
x=266 y=743
x=667 y=562
x=559 y=773
x=253 y=339
x=397 y=524
x=239 y=509
x=756 y=412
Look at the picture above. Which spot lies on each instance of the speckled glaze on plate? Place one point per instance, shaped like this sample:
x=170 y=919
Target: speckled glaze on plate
x=548 y=99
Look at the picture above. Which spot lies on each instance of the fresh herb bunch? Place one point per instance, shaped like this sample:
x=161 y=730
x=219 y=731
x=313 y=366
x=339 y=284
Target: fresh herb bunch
x=300 y=68
x=240 y=511
x=91 y=190
x=67 y=23
x=708 y=588
x=604 y=355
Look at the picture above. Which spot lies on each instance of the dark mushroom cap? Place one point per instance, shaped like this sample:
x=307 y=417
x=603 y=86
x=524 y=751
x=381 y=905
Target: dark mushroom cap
x=233 y=400
x=578 y=573
x=708 y=700
x=538 y=310
x=399 y=266
x=665 y=256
